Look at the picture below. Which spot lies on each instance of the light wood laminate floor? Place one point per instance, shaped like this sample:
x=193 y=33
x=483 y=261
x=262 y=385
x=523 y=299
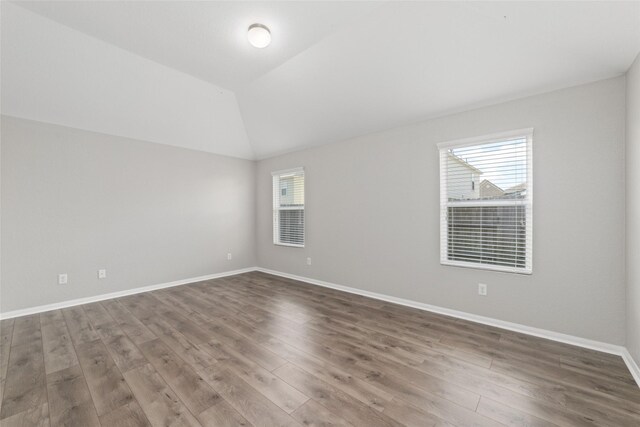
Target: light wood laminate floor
x=256 y=349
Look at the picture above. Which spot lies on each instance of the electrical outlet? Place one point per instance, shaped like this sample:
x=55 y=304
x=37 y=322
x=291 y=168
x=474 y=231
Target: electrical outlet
x=63 y=279
x=309 y=261
x=229 y=256
x=482 y=289
x=102 y=274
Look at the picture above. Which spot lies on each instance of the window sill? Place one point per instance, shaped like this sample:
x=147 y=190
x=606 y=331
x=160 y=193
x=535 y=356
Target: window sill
x=487 y=267
x=291 y=245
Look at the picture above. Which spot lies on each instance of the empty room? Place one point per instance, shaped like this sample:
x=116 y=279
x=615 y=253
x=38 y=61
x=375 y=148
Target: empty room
x=319 y=213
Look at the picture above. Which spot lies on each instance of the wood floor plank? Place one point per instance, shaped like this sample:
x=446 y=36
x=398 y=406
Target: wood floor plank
x=256 y=349
x=442 y=408
x=250 y=403
x=188 y=351
x=511 y=416
x=547 y=373
x=598 y=369
x=25 y=386
x=160 y=404
x=228 y=315
x=26 y=330
x=561 y=415
x=251 y=311
x=239 y=344
x=405 y=369
x=70 y=403
x=222 y=415
x=138 y=306
x=58 y=349
x=107 y=386
x=549 y=399
x=358 y=305
x=395 y=344
x=166 y=296
x=272 y=387
x=394 y=348
x=190 y=330
x=134 y=328
x=37 y=416
x=6 y=333
x=129 y=415
x=313 y=414
x=124 y=352
x=80 y=328
x=359 y=389
x=97 y=314
x=333 y=399
x=548 y=361
x=410 y=415
x=558 y=348
x=419 y=337
x=376 y=362
x=194 y=392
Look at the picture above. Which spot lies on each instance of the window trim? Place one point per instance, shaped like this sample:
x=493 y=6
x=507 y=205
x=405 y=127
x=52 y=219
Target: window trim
x=445 y=204
x=279 y=174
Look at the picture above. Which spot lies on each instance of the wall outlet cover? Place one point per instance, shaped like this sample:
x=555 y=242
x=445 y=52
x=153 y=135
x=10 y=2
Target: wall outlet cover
x=482 y=289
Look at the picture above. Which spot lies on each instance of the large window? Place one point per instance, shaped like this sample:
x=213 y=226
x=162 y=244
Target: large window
x=288 y=207
x=486 y=202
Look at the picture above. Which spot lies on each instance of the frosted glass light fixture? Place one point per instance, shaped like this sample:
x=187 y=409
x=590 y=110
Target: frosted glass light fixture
x=259 y=35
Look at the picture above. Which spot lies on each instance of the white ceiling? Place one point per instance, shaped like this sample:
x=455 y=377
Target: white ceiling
x=206 y=39
x=54 y=74
x=335 y=69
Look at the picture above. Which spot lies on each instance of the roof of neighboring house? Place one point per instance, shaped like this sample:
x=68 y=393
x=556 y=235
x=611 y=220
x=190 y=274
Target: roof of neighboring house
x=484 y=183
x=489 y=190
x=454 y=157
x=516 y=188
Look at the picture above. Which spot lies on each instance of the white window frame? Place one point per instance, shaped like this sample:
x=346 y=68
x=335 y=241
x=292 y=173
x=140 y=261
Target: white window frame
x=276 y=208
x=528 y=202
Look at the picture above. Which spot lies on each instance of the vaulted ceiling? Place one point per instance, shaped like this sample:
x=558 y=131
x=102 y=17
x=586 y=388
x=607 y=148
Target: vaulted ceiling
x=182 y=73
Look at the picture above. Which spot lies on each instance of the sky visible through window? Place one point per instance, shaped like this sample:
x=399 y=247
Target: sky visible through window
x=502 y=163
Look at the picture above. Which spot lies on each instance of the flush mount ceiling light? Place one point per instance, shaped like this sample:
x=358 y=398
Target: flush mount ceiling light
x=259 y=35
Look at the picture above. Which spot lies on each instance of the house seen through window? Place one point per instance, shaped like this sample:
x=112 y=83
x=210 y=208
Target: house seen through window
x=487 y=224
x=288 y=207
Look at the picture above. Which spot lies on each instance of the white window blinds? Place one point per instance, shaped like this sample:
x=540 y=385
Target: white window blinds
x=288 y=207
x=486 y=202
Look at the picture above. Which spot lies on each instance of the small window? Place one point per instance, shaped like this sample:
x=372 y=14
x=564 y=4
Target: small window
x=489 y=225
x=288 y=207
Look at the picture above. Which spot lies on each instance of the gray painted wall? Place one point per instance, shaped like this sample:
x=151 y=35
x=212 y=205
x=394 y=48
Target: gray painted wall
x=372 y=214
x=633 y=210
x=76 y=201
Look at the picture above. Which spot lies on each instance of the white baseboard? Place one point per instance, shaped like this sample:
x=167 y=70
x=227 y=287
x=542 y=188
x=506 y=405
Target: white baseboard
x=632 y=365
x=516 y=327
x=102 y=297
